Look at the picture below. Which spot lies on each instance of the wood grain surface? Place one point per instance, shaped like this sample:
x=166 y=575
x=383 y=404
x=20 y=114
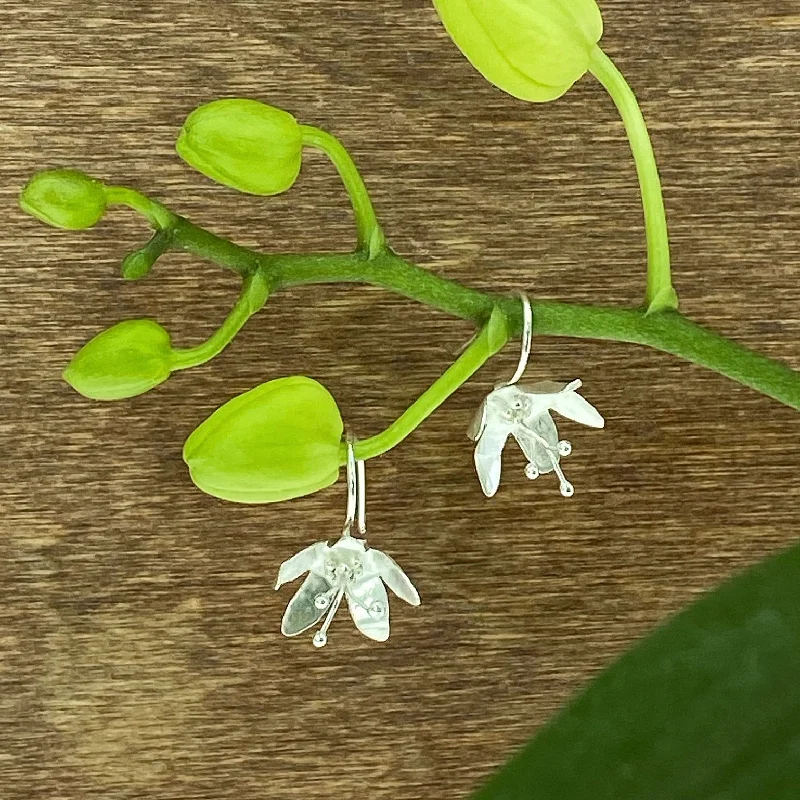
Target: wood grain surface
x=140 y=651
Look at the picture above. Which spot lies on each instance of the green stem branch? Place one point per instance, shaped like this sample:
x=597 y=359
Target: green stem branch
x=370 y=235
x=668 y=331
x=157 y=215
x=660 y=294
x=137 y=265
x=489 y=341
x=254 y=294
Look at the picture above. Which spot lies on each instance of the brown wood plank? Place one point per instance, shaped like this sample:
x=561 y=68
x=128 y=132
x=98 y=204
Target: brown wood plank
x=140 y=652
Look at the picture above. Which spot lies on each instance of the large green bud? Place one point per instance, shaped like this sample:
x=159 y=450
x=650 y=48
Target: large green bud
x=277 y=441
x=244 y=144
x=128 y=359
x=64 y=198
x=532 y=49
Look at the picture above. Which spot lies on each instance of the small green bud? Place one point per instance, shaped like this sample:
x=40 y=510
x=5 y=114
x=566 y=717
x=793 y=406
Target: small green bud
x=277 y=441
x=244 y=144
x=64 y=198
x=128 y=359
x=137 y=264
x=533 y=49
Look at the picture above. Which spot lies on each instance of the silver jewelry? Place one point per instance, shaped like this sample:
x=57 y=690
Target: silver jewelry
x=527 y=341
x=348 y=570
x=524 y=413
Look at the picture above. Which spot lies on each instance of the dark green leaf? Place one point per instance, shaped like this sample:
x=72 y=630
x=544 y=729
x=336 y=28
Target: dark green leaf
x=706 y=708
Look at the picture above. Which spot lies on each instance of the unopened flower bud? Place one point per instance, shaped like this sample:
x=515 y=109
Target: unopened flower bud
x=137 y=264
x=244 y=144
x=124 y=361
x=64 y=198
x=277 y=441
x=532 y=49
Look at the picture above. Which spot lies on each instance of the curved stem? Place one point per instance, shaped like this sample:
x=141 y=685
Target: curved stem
x=157 y=215
x=254 y=295
x=370 y=235
x=488 y=342
x=660 y=292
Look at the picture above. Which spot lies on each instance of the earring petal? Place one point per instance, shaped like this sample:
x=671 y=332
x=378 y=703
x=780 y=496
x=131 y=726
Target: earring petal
x=302 y=611
x=301 y=562
x=572 y=406
x=369 y=608
x=392 y=575
x=478 y=424
x=536 y=453
x=488 y=458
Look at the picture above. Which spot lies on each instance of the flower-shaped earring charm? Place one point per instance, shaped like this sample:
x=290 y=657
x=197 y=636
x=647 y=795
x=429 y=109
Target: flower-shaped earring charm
x=524 y=413
x=347 y=570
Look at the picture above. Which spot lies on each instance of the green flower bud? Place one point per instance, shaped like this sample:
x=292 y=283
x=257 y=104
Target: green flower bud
x=244 y=144
x=64 y=198
x=128 y=359
x=137 y=264
x=277 y=441
x=532 y=49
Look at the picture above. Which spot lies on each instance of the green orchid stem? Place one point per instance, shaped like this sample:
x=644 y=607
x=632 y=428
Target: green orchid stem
x=370 y=234
x=489 y=341
x=660 y=294
x=137 y=265
x=156 y=214
x=669 y=331
x=254 y=295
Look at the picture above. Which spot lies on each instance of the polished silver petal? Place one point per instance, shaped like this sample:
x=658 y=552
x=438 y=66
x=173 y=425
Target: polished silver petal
x=543 y=387
x=378 y=563
x=572 y=406
x=307 y=559
x=565 y=400
x=303 y=610
x=348 y=547
x=538 y=439
x=478 y=424
x=488 y=457
x=369 y=608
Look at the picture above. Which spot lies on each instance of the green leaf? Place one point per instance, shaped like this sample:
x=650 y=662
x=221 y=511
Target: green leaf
x=128 y=359
x=706 y=708
x=277 y=441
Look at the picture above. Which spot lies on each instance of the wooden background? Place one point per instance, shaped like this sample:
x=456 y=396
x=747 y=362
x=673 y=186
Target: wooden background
x=140 y=652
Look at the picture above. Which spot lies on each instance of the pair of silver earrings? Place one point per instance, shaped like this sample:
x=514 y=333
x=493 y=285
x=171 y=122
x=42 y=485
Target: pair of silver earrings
x=351 y=571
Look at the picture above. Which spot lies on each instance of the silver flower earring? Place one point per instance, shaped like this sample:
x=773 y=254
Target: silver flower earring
x=524 y=413
x=348 y=570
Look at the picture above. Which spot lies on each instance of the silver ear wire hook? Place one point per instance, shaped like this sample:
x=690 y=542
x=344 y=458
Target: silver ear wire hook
x=356 y=493
x=352 y=489
x=361 y=479
x=527 y=339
